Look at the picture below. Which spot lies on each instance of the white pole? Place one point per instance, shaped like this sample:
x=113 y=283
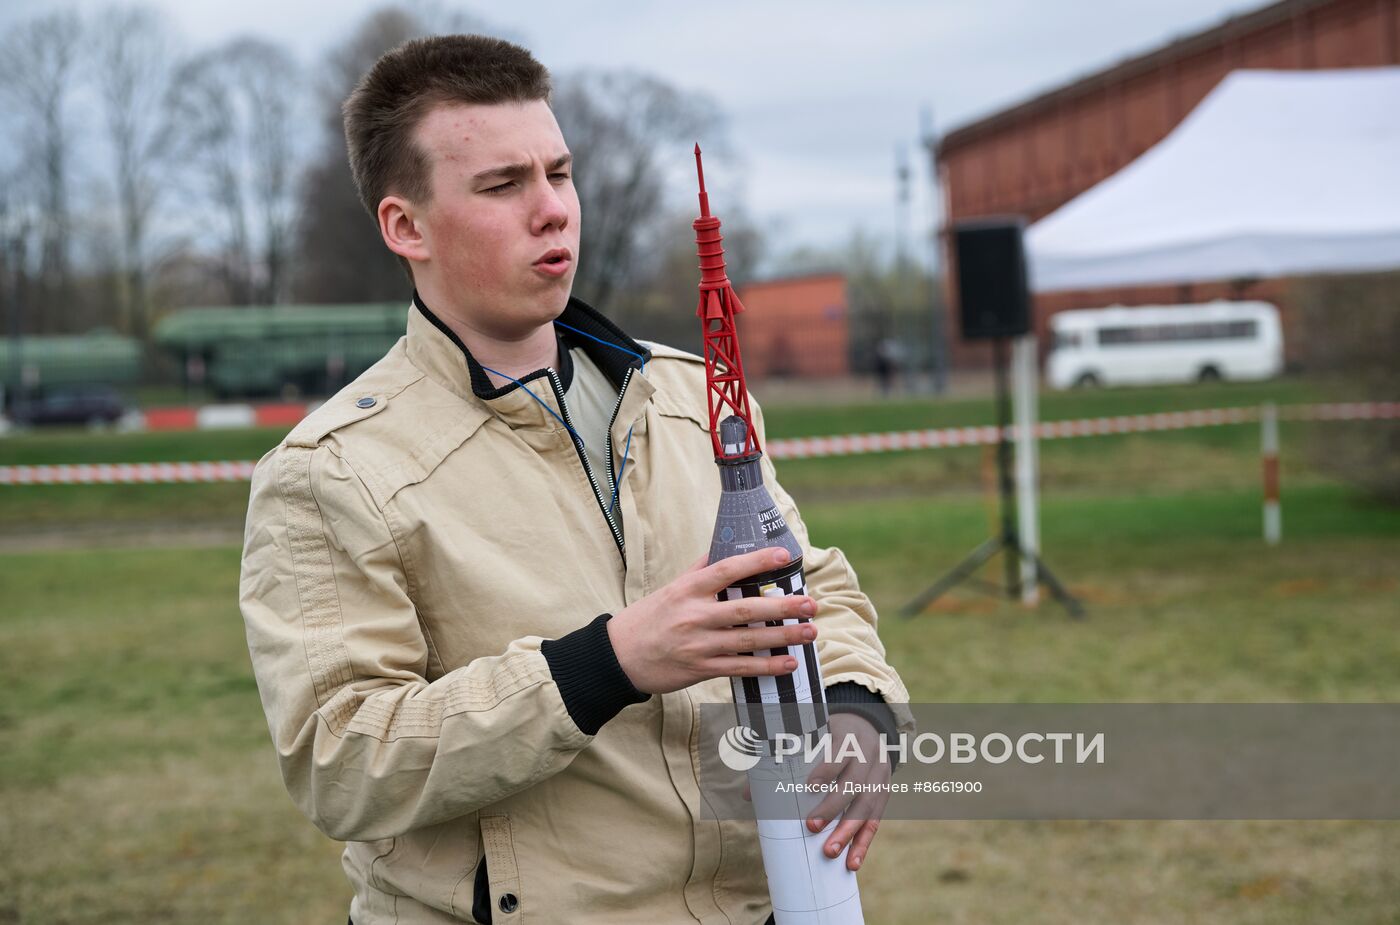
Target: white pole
x=1268 y=439
x=1025 y=412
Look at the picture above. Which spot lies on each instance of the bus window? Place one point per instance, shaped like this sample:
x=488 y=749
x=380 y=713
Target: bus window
x=1117 y=337
x=1168 y=333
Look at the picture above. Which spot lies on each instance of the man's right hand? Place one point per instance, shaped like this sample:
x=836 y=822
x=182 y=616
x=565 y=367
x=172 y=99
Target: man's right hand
x=681 y=635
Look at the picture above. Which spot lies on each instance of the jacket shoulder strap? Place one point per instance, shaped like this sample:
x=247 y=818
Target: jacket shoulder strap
x=340 y=411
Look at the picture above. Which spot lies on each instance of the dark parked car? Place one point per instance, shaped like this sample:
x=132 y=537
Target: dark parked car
x=87 y=405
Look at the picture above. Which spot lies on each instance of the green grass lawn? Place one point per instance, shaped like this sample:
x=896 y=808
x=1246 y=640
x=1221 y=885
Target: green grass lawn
x=1186 y=604
x=79 y=446
x=138 y=783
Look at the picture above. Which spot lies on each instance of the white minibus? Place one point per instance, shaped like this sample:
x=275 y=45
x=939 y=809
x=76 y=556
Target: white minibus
x=1164 y=343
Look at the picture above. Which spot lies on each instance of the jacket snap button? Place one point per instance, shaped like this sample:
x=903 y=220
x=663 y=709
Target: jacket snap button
x=366 y=402
x=508 y=903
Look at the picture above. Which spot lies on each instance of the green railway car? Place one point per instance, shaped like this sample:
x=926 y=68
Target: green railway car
x=43 y=362
x=283 y=350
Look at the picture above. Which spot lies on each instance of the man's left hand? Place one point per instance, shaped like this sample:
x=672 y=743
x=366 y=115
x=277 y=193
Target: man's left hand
x=860 y=811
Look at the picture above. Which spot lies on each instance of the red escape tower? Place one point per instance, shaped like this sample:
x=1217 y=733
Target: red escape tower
x=724 y=370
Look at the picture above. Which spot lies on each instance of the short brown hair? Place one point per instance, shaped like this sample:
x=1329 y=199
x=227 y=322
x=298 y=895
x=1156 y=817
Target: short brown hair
x=386 y=106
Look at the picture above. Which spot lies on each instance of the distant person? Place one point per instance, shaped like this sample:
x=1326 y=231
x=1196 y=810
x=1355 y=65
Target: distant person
x=480 y=664
x=888 y=354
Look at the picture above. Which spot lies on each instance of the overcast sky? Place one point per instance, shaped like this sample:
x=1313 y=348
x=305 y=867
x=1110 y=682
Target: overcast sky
x=819 y=93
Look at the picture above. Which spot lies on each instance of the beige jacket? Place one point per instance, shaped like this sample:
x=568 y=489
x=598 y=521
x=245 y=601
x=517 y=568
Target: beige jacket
x=412 y=548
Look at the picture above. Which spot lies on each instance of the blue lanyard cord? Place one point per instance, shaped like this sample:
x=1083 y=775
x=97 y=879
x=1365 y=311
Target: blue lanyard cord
x=612 y=505
x=542 y=402
x=604 y=342
x=628 y=446
x=621 y=469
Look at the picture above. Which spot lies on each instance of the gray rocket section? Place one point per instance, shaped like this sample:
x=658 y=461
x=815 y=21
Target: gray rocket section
x=748 y=520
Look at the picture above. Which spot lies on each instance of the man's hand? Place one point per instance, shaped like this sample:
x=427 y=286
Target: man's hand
x=680 y=635
x=860 y=812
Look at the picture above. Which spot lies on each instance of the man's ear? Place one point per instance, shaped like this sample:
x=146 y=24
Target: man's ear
x=400 y=229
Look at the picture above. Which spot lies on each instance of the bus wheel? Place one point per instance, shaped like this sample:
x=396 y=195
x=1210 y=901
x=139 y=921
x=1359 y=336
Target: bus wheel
x=1087 y=381
x=1209 y=374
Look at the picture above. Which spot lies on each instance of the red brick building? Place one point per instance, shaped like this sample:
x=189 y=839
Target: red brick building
x=796 y=327
x=1034 y=157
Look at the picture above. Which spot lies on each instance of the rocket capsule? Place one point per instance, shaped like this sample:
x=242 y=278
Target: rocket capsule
x=748 y=518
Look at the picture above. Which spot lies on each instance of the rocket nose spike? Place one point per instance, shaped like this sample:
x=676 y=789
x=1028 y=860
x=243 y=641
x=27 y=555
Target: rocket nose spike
x=700 y=172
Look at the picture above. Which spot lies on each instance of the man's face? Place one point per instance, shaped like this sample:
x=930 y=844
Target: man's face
x=502 y=227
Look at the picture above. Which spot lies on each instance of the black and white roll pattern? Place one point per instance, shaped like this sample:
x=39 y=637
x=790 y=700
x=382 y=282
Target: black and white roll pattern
x=788 y=703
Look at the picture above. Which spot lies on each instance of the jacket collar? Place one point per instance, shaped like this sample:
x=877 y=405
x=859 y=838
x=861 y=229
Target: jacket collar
x=436 y=350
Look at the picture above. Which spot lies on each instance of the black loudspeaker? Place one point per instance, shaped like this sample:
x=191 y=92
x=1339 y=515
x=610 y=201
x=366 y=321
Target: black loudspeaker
x=993 y=296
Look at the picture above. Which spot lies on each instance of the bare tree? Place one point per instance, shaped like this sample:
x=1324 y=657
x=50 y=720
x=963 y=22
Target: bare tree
x=37 y=59
x=203 y=108
x=628 y=133
x=17 y=219
x=133 y=75
x=265 y=73
x=341 y=255
x=234 y=110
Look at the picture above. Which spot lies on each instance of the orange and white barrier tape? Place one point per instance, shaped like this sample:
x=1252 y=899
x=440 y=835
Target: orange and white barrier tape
x=851 y=444
x=791 y=448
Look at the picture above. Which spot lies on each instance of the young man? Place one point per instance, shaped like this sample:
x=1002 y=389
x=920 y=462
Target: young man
x=427 y=556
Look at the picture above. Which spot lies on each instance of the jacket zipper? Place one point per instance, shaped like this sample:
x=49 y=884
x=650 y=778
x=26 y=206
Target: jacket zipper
x=583 y=458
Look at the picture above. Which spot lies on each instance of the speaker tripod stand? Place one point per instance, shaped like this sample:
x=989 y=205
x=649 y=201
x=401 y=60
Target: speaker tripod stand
x=1008 y=541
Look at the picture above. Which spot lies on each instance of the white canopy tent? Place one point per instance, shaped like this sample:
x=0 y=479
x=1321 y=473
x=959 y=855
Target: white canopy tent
x=1275 y=173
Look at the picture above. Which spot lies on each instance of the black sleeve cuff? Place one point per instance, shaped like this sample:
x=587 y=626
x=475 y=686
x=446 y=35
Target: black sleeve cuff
x=591 y=682
x=850 y=697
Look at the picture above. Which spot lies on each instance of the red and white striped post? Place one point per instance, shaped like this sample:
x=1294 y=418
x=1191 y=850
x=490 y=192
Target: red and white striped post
x=1268 y=433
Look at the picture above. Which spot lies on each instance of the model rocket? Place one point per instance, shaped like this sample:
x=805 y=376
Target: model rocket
x=807 y=887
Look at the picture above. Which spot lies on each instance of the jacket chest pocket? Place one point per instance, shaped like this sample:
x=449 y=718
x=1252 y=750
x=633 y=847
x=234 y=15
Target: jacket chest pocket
x=496 y=887
x=429 y=863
